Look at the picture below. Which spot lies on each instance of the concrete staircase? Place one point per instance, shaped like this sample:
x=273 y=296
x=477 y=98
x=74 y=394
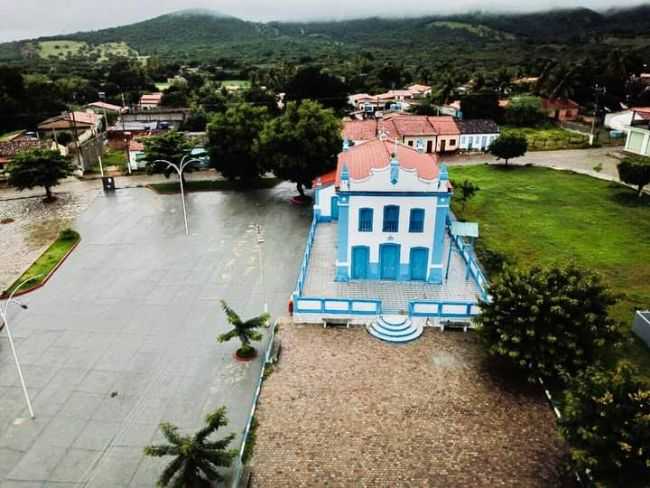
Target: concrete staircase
x=397 y=329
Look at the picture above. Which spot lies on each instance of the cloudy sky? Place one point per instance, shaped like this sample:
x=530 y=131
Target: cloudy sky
x=32 y=18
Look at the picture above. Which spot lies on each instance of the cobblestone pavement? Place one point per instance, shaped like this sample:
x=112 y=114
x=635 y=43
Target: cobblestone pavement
x=34 y=226
x=342 y=409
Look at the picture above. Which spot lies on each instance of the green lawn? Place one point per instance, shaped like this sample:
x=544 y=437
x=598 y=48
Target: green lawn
x=46 y=262
x=211 y=185
x=549 y=137
x=538 y=216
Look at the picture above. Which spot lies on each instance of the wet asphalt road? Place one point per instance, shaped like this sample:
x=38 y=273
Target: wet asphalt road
x=123 y=335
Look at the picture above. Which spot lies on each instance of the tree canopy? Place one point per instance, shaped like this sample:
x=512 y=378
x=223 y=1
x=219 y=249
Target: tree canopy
x=508 y=146
x=313 y=83
x=233 y=142
x=635 y=170
x=38 y=167
x=606 y=421
x=303 y=143
x=169 y=146
x=548 y=323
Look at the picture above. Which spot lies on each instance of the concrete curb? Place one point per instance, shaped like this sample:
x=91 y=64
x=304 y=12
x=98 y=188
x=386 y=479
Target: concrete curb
x=5 y=295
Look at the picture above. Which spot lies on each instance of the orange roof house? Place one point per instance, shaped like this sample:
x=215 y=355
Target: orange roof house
x=560 y=108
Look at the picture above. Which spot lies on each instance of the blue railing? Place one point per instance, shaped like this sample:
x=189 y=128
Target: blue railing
x=318 y=305
x=471 y=261
x=444 y=309
x=302 y=276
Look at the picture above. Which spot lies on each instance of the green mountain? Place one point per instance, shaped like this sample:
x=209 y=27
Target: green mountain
x=202 y=32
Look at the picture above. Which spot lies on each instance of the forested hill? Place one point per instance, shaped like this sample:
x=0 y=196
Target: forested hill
x=200 y=32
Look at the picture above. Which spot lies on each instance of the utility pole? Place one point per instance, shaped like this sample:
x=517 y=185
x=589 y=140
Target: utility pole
x=593 y=138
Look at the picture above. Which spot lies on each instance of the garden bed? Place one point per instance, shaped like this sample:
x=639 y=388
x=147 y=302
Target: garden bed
x=42 y=269
x=549 y=138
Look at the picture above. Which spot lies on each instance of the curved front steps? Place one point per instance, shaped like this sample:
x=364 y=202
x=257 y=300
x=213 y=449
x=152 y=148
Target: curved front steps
x=396 y=329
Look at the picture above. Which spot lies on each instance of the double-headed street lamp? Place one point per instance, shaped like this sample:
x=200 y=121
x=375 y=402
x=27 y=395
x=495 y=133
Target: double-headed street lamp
x=180 y=168
x=5 y=320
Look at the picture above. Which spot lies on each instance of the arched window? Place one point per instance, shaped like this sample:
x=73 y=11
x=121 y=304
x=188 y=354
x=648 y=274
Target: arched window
x=391 y=218
x=365 y=220
x=416 y=222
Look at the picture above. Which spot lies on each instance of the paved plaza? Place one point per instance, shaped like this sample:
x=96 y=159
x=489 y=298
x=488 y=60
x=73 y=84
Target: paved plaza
x=124 y=334
x=341 y=409
x=394 y=295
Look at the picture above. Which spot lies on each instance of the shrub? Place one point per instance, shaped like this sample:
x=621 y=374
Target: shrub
x=68 y=235
x=635 y=170
x=606 y=421
x=548 y=323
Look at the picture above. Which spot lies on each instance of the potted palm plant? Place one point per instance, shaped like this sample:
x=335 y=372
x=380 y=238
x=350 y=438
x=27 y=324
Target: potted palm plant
x=196 y=458
x=245 y=331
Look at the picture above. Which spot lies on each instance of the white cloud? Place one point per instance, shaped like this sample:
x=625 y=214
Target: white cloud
x=33 y=18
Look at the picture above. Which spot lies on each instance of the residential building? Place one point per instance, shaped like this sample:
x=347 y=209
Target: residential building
x=136 y=155
x=638 y=132
x=477 y=134
x=83 y=125
x=418 y=90
x=359 y=131
x=560 y=109
x=150 y=100
x=103 y=108
x=412 y=130
x=20 y=141
x=164 y=117
x=447 y=131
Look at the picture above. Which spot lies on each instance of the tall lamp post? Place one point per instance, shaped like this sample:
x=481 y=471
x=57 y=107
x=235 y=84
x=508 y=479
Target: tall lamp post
x=5 y=320
x=180 y=168
x=598 y=90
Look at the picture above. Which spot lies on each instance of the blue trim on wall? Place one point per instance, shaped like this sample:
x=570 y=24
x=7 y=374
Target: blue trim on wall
x=442 y=208
x=421 y=267
x=384 y=271
x=342 y=272
x=395 y=193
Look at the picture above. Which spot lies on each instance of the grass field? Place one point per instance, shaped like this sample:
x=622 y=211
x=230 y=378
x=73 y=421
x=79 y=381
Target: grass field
x=538 y=216
x=236 y=84
x=43 y=266
x=549 y=138
x=210 y=185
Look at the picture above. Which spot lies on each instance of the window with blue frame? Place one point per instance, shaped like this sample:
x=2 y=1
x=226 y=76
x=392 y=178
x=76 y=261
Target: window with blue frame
x=391 y=218
x=365 y=220
x=416 y=222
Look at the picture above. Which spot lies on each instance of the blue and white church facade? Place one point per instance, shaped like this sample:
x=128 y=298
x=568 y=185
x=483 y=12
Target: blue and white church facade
x=390 y=217
x=380 y=250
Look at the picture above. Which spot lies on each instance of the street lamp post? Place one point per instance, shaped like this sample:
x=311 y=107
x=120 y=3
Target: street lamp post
x=5 y=320
x=179 y=168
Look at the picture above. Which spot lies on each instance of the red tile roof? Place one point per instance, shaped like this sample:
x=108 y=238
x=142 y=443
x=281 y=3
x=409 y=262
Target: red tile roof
x=644 y=112
x=361 y=159
x=444 y=125
x=135 y=145
x=67 y=121
x=558 y=104
x=359 y=130
x=106 y=106
x=151 y=98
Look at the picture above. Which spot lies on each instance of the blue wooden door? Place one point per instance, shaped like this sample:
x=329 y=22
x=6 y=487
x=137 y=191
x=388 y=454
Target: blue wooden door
x=335 y=208
x=360 y=258
x=389 y=261
x=418 y=263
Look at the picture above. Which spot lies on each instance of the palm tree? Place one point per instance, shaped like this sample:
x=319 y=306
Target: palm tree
x=196 y=458
x=244 y=330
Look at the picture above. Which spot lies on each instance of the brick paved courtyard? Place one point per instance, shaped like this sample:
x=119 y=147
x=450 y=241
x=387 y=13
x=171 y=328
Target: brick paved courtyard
x=342 y=409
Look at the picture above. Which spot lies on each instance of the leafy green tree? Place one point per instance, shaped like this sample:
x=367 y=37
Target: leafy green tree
x=196 y=457
x=635 y=170
x=606 y=421
x=245 y=331
x=484 y=105
x=169 y=146
x=467 y=190
x=548 y=322
x=302 y=144
x=233 y=142
x=524 y=111
x=313 y=83
x=508 y=146
x=38 y=167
